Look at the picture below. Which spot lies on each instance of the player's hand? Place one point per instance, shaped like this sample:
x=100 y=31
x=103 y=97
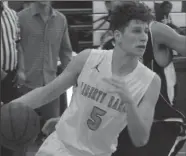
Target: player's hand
x=49 y=126
x=119 y=88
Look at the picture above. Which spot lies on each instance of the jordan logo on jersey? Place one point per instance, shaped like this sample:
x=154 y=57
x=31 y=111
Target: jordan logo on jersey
x=100 y=96
x=97 y=66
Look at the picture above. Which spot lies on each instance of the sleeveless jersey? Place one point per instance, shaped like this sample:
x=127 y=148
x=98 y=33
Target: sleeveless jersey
x=92 y=123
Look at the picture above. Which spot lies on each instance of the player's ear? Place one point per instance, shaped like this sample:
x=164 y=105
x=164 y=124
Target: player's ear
x=117 y=36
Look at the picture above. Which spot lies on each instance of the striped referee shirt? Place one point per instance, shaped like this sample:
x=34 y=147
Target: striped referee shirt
x=9 y=36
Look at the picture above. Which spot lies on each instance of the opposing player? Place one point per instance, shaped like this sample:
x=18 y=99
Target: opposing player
x=112 y=90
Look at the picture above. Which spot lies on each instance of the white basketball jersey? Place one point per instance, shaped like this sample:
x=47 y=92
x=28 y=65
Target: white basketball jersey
x=94 y=119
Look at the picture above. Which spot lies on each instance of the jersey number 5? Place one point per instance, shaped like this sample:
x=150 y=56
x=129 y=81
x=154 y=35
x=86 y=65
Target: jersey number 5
x=95 y=116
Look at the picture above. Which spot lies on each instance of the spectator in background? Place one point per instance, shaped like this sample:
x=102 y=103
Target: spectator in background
x=45 y=38
x=163 y=14
x=27 y=4
x=12 y=64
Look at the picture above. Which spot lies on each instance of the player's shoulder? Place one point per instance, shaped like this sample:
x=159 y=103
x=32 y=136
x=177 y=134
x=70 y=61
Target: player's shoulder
x=155 y=78
x=156 y=25
x=159 y=29
x=97 y=55
x=90 y=56
x=146 y=72
x=149 y=77
x=99 y=52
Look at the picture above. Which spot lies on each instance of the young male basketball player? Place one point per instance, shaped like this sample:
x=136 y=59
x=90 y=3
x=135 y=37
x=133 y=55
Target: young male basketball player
x=166 y=138
x=112 y=90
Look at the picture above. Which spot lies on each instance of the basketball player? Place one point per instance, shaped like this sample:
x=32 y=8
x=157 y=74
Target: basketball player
x=165 y=145
x=113 y=90
x=157 y=56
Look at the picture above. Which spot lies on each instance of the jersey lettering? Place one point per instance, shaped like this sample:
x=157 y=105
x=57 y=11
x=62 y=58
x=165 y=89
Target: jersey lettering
x=95 y=120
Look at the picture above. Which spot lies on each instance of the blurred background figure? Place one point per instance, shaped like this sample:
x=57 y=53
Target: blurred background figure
x=45 y=38
x=12 y=63
x=163 y=14
x=26 y=4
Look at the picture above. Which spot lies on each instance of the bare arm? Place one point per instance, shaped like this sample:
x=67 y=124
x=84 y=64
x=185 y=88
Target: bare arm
x=140 y=119
x=42 y=95
x=163 y=34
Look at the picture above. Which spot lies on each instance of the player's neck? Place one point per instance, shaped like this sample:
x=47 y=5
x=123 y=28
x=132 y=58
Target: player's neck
x=123 y=64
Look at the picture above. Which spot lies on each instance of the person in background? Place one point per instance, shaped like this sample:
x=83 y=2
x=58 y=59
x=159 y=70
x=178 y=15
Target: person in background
x=12 y=61
x=26 y=4
x=44 y=38
x=163 y=16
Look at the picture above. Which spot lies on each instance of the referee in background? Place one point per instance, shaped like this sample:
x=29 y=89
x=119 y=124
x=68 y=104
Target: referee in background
x=12 y=63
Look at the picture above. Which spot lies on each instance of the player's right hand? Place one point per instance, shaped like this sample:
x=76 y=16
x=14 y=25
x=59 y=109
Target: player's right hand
x=119 y=88
x=49 y=126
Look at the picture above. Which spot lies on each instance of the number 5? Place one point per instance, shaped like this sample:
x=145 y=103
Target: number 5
x=95 y=116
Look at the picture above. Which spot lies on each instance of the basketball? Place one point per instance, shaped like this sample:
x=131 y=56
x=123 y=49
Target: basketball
x=20 y=125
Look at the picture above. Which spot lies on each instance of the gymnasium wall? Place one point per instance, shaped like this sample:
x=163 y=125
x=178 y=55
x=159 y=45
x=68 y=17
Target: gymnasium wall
x=178 y=16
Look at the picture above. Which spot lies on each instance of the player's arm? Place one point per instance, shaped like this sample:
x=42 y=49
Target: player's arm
x=140 y=118
x=43 y=95
x=164 y=34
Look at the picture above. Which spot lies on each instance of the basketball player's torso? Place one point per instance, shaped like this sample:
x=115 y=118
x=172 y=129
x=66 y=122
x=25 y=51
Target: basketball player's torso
x=95 y=118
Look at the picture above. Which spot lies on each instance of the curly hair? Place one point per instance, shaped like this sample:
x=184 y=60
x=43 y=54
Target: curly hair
x=126 y=11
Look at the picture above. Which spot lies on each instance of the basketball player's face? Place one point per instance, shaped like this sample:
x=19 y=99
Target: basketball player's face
x=134 y=38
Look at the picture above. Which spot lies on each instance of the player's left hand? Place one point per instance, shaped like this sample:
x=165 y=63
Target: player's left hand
x=119 y=88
